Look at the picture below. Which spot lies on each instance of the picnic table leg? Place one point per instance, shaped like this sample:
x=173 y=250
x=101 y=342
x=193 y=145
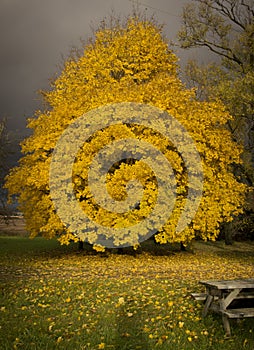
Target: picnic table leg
x=208 y=303
x=226 y=325
x=224 y=303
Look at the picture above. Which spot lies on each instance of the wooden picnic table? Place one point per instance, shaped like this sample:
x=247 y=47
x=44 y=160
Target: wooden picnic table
x=221 y=296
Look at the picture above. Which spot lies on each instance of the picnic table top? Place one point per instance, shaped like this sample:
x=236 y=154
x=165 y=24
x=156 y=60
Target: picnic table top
x=230 y=284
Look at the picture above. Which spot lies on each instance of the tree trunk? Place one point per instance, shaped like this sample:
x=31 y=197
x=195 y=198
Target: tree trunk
x=229 y=230
x=80 y=245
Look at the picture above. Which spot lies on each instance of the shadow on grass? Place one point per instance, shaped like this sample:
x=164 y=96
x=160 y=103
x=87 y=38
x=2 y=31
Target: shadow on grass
x=236 y=251
x=148 y=246
x=18 y=247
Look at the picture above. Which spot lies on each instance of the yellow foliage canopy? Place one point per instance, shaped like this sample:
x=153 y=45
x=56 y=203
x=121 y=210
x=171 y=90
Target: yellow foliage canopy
x=129 y=63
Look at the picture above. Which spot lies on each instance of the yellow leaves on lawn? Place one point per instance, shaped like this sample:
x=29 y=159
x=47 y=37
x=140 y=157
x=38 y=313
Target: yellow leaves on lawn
x=74 y=299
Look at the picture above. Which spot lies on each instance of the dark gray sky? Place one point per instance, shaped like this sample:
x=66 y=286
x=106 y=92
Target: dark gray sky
x=34 y=34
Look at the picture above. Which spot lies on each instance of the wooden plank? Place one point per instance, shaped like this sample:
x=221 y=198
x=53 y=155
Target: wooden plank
x=245 y=295
x=224 y=303
x=239 y=313
x=230 y=284
x=226 y=325
x=208 y=303
x=199 y=296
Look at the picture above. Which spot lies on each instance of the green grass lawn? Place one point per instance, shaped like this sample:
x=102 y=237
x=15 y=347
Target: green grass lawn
x=53 y=297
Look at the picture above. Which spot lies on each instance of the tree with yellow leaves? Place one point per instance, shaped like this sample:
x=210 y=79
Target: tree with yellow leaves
x=125 y=86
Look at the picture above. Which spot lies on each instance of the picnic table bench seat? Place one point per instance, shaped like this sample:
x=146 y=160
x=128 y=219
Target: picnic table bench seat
x=203 y=296
x=199 y=296
x=238 y=313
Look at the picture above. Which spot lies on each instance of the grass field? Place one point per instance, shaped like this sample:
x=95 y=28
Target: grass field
x=53 y=297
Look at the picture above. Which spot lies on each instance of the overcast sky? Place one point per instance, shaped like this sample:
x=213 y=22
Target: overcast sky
x=34 y=34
